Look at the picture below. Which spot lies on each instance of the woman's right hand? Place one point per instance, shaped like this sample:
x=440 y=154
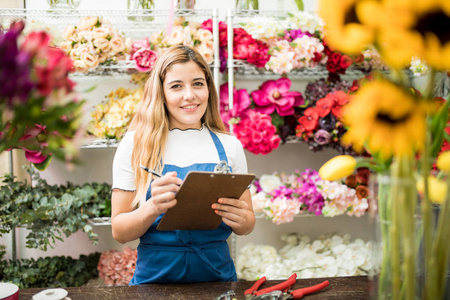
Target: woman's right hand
x=164 y=190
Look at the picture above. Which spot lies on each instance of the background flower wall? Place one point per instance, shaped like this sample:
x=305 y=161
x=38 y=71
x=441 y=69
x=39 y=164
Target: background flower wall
x=97 y=162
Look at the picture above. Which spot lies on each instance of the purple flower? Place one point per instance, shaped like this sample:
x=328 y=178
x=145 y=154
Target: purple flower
x=14 y=67
x=275 y=94
x=295 y=33
x=322 y=137
x=308 y=193
x=282 y=192
x=328 y=122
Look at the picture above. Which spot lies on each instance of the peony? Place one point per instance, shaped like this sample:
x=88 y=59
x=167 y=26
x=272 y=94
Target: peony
x=241 y=103
x=145 y=59
x=275 y=95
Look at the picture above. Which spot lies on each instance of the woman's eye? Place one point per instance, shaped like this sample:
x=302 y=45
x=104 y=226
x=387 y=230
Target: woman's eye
x=175 y=86
x=199 y=83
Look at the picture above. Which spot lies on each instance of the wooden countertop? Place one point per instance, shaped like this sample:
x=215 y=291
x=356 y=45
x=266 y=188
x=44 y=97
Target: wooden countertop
x=354 y=288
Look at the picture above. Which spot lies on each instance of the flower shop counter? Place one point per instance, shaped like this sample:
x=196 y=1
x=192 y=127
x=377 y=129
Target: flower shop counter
x=354 y=288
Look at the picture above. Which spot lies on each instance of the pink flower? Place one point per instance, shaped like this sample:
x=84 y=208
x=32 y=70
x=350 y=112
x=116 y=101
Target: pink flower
x=257 y=134
x=117 y=268
x=36 y=44
x=138 y=45
x=53 y=74
x=241 y=102
x=145 y=59
x=275 y=94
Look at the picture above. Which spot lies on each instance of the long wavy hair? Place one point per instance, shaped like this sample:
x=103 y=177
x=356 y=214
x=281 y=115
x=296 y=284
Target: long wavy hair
x=151 y=121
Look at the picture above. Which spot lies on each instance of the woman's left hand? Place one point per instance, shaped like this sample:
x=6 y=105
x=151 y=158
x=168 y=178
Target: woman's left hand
x=236 y=213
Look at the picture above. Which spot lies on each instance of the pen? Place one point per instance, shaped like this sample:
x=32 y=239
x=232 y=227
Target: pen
x=151 y=171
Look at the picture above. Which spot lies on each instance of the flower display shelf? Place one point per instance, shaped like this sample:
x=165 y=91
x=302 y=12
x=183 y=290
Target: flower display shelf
x=133 y=23
x=104 y=221
x=245 y=70
x=101 y=143
x=259 y=215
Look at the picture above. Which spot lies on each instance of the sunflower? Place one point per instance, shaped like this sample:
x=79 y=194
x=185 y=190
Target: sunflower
x=409 y=28
x=386 y=119
x=345 y=32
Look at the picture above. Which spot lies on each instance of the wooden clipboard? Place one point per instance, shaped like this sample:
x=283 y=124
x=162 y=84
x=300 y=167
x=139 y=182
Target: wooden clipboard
x=196 y=195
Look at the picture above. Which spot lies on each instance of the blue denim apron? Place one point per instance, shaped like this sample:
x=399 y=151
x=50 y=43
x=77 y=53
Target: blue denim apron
x=184 y=256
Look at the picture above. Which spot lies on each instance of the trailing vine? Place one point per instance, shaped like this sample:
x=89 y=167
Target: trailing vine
x=51 y=212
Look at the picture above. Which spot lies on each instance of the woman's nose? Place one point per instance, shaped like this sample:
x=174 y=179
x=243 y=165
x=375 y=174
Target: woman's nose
x=189 y=93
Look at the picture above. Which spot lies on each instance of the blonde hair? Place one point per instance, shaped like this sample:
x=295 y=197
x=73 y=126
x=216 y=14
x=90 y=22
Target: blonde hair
x=151 y=121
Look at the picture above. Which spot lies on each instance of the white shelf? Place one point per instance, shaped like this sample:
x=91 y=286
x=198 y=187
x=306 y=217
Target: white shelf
x=101 y=144
x=105 y=221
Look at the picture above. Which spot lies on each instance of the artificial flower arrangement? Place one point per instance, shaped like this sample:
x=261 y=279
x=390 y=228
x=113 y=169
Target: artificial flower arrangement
x=403 y=130
x=328 y=256
x=117 y=267
x=40 y=111
x=315 y=120
x=111 y=118
x=94 y=41
x=281 y=197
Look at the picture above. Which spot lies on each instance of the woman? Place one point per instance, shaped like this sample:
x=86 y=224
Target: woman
x=176 y=129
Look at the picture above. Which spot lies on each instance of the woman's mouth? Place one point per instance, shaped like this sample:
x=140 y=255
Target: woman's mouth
x=190 y=107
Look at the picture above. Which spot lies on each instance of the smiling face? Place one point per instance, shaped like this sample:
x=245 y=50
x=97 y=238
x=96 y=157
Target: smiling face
x=186 y=93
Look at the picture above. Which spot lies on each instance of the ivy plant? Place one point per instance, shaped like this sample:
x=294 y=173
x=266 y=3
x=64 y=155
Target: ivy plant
x=51 y=212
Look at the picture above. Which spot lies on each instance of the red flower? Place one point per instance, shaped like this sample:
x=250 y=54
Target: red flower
x=52 y=75
x=257 y=134
x=324 y=105
x=309 y=121
x=223 y=42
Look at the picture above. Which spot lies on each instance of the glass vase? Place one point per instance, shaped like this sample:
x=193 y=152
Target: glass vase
x=141 y=10
x=247 y=5
x=401 y=266
x=63 y=4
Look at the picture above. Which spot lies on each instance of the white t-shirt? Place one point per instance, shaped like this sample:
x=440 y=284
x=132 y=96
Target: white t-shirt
x=183 y=148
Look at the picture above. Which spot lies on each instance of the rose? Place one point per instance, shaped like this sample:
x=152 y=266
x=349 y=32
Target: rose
x=176 y=36
x=91 y=61
x=362 y=192
x=204 y=35
x=66 y=47
x=362 y=176
x=100 y=32
x=350 y=181
x=117 y=44
x=68 y=32
x=102 y=44
x=322 y=137
x=87 y=23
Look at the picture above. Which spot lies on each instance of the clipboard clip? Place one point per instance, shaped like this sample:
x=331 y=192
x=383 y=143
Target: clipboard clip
x=222 y=167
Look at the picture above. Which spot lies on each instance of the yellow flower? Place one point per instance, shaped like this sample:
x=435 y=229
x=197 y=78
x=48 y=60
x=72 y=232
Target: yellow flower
x=443 y=161
x=386 y=119
x=338 y=167
x=345 y=32
x=437 y=189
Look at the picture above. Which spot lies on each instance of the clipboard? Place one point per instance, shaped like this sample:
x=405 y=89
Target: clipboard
x=197 y=193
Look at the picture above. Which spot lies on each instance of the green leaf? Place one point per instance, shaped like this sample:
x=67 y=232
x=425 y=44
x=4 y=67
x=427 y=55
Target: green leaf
x=300 y=5
x=43 y=165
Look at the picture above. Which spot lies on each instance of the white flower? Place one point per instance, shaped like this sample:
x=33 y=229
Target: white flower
x=269 y=183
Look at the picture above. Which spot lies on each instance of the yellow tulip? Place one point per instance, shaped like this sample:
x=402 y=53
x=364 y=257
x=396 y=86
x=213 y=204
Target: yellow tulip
x=437 y=189
x=443 y=161
x=338 y=167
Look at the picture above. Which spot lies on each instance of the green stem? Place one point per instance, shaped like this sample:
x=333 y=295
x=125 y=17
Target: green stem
x=384 y=217
x=441 y=245
x=430 y=279
x=393 y=235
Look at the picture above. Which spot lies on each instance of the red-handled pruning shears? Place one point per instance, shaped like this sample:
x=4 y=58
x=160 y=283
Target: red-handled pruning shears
x=283 y=289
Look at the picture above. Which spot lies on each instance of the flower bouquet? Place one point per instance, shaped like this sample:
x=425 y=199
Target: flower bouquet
x=328 y=256
x=40 y=111
x=111 y=118
x=281 y=197
x=117 y=267
x=94 y=41
x=402 y=125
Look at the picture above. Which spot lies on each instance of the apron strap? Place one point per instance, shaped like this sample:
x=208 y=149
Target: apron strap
x=219 y=147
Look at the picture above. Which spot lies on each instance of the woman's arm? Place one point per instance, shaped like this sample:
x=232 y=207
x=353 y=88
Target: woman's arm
x=237 y=213
x=129 y=224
